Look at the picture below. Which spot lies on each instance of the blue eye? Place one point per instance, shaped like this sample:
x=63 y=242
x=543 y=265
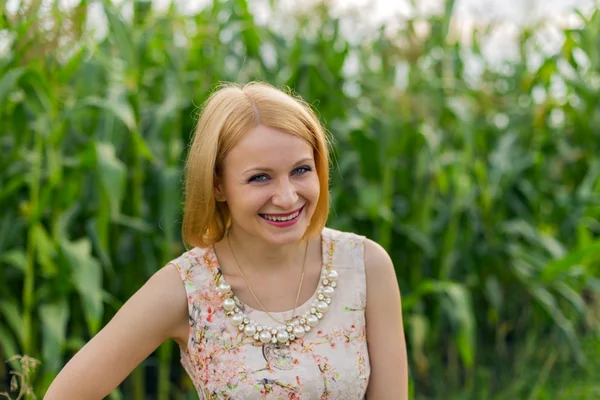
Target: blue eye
x=302 y=170
x=258 y=178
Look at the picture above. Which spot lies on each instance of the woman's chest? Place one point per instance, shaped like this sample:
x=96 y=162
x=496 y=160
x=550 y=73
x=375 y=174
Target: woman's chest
x=332 y=363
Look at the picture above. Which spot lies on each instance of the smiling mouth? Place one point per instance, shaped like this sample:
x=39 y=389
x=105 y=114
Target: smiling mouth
x=282 y=217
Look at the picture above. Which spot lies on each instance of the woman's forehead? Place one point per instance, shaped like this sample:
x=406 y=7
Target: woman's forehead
x=265 y=147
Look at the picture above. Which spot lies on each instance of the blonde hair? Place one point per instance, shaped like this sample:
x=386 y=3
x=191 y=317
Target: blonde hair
x=228 y=114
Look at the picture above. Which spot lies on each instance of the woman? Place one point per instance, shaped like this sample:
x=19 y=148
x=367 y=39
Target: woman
x=268 y=303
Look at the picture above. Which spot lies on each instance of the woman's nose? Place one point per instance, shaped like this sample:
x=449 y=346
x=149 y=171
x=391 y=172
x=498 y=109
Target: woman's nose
x=285 y=196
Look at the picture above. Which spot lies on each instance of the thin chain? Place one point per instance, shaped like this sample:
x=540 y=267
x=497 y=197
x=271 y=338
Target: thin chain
x=252 y=291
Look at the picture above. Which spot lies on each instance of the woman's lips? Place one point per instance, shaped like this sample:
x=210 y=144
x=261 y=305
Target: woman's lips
x=286 y=223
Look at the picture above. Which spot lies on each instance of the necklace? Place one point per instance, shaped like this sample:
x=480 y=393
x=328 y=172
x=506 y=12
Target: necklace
x=294 y=328
x=252 y=291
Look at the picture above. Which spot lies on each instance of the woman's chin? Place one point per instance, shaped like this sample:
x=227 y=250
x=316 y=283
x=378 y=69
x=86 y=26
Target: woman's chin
x=284 y=235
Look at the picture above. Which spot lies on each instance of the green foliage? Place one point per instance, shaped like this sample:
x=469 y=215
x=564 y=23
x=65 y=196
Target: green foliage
x=484 y=190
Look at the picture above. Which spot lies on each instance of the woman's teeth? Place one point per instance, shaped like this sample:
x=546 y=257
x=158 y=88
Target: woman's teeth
x=281 y=219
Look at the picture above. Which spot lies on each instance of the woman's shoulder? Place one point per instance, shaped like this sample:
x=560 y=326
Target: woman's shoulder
x=374 y=255
x=195 y=266
x=342 y=236
x=190 y=258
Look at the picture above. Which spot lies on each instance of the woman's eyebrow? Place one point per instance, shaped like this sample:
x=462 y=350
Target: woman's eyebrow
x=265 y=169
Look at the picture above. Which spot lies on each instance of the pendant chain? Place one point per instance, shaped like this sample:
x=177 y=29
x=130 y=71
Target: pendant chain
x=252 y=291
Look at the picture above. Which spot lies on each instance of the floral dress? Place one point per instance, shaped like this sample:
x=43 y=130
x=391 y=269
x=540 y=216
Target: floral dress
x=329 y=362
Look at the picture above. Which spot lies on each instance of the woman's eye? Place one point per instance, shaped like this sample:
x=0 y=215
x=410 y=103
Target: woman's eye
x=258 y=178
x=302 y=170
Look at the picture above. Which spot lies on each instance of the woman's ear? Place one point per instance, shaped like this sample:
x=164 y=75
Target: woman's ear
x=218 y=188
x=219 y=197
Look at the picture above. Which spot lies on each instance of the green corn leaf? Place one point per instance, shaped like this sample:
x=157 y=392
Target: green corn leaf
x=45 y=250
x=8 y=82
x=463 y=312
x=118 y=107
x=9 y=347
x=571 y=296
x=555 y=268
x=16 y=258
x=87 y=278
x=462 y=308
x=10 y=310
x=548 y=304
x=113 y=177
x=54 y=318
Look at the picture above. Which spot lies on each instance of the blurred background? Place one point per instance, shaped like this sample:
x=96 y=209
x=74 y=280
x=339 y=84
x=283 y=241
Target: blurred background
x=467 y=142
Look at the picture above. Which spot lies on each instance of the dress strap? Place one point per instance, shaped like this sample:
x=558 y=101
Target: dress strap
x=349 y=259
x=198 y=272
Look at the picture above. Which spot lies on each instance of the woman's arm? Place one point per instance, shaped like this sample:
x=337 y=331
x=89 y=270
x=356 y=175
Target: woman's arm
x=385 y=333
x=158 y=311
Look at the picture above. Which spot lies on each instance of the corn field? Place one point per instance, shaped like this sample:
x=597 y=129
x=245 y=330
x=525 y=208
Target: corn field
x=485 y=190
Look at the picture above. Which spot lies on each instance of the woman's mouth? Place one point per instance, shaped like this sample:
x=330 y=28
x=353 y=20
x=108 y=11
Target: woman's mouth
x=283 y=220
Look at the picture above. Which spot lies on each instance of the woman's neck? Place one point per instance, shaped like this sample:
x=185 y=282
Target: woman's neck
x=256 y=254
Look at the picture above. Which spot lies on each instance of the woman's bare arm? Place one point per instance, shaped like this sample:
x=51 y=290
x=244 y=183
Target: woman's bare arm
x=155 y=313
x=385 y=333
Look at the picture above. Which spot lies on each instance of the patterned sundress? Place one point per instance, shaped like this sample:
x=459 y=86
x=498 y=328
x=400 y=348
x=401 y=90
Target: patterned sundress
x=329 y=362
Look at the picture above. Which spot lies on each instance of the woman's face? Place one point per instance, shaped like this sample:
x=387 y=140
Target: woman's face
x=271 y=186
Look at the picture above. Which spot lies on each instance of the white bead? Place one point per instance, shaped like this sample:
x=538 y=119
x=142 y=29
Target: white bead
x=289 y=329
x=328 y=301
x=265 y=336
x=313 y=310
x=246 y=321
x=274 y=331
x=319 y=315
x=228 y=304
x=322 y=306
x=303 y=320
x=259 y=328
x=299 y=331
x=283 y=336
x=237 y=319
x=292 y=337
x=333 y=284
x=223 y=287
x=328 y=291
x=312 y=320
x=273 y=340
x=332 y=275
x=241 y=327
x=307 y=328
x=325 y=282
x=256 y=337
x=250 y=330
x=321 y=297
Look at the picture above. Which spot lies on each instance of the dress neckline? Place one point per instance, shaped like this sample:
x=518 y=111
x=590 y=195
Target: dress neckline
x=325 y=259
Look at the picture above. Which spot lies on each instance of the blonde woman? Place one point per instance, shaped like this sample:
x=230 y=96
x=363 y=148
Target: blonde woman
x=268 y=303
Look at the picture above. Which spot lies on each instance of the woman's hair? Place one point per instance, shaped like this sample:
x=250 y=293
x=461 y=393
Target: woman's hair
x=228 y=114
